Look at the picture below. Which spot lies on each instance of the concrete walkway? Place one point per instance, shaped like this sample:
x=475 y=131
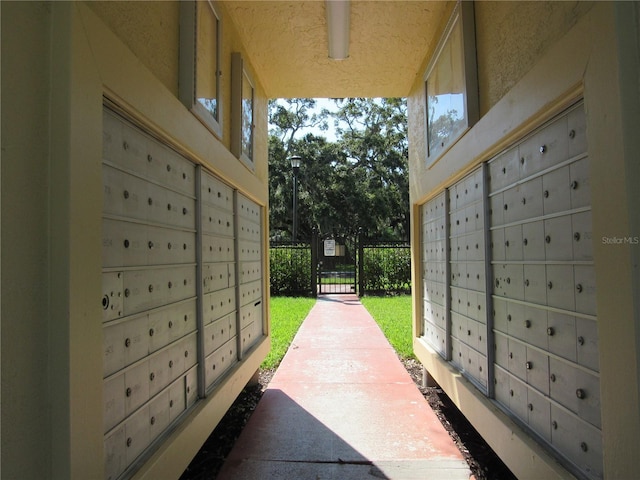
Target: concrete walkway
x=341 y=406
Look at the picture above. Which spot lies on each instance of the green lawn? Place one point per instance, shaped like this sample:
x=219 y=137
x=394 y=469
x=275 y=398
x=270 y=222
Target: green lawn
x=287 y=314
x=393 y=315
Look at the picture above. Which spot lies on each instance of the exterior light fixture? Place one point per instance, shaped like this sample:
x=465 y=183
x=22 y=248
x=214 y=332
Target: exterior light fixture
x=296 y=160
x=338 y=22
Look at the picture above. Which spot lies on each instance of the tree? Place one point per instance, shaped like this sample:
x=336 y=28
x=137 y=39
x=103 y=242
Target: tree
x=360 y=181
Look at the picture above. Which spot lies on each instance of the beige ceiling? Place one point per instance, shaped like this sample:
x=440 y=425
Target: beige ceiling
x=286 y=43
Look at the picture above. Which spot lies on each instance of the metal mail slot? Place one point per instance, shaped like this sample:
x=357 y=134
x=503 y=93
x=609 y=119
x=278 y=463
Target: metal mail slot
x=112 y=295
x=556 y=196
x=218 y=304
x=587 y=340
x=508 y=280
x=513 y=243
x=216 y=221
x=459 y=300
x=474 y=217
x=159 y=418
x=580 y=185
x=496 y=209
x=435 y=314
x=477 y=306
x=250 y=292
x=145 y=289
x=434 y=208
x=220 y=361
x=112 y=349
x=537 y=370
x=558 y=238
x=560 y=287
x=135 y=339
x=545 y=148
x=248 y=208
x=575 y=389
x=217 y=249
x=517 y=361
x=533 y=243
x=251 y=312
x=585 y=289
x=535 y=285
x=534 y=327
x=501 y=384
x=497 y=245
x=216 y=334
x=248 y=336
x=539 y=414
x=458 y=275
x=249 y=251
x=504 y=170
x=216 y=193
x=177 y=399
x=217 y=276
x=159 y=372
x=250 y=271
x=134 y=244
x=136 y=387
x=581 y=226
x=561 y=333
x=136 y=430
x=191 y=387
x=115 y=459
x=577 y=131
x=168 y=324
x=249 y=230
x=578 y=441
x=457 y=358
x=523 y=201
x=113 y=401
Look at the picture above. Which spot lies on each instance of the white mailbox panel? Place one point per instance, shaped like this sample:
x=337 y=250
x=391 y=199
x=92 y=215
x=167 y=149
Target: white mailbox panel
x=216 y=193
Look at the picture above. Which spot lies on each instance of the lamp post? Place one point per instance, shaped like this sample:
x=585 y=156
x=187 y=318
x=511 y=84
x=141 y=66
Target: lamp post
x=296 y=160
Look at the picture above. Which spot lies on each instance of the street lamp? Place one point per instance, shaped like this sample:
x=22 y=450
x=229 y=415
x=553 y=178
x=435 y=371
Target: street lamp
x=296 y=160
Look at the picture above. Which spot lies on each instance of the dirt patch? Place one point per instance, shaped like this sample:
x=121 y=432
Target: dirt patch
x=483 y=462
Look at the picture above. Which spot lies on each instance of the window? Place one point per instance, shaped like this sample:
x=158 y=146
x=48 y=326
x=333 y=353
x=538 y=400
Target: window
x=451 y=84
x=200 y=39
x=242 y=100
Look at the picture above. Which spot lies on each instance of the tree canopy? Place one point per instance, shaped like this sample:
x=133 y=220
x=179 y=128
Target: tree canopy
x=358 y=181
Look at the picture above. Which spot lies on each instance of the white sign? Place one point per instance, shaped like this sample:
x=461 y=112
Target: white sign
x=329 y=248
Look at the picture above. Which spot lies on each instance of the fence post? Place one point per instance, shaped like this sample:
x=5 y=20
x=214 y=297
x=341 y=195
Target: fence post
x=314 y=263
x=360 y=262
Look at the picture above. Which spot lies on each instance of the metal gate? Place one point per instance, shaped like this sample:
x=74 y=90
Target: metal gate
x=337 y=259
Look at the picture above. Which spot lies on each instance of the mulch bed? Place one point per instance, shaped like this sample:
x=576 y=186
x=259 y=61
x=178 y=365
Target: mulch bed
x=483 y=462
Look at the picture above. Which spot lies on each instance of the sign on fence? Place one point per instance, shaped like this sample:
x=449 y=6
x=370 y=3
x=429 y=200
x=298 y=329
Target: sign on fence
x=330 y=248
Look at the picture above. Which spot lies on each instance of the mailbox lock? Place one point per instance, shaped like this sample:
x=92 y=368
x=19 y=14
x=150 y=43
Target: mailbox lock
x=105 y=302
x=169 y=246
x=552 y=377
x=581 y=340
x=170 y=284
x=150 y=288
x=574 y=185
x=149 y=158
x=151 y=332
x=168 y=168
x=152 y=420
x=184 y=211
x=524 y=201
x=550 y=285
x=511 y=392
x=127 y=342
x=170 y=324
x=509 y=317
x=506 y=244
x=129 y=442
x=504 y=170
x=580 y=393
x=150 y=244
x=525 y=241
x=576 y=236
x=522 y=160
x=125 y=146
x=584 y=447
x=128 y=392
x=126 y=194
x=511 y=355
x=546 y=194
x=526 y=282
x=152 y=376
x=528 y=365
x=554 y=424
x=579 y=288
x=543 y=149
x=547 y=239
x=530 y=406
x=150 y=201
x=550 y=331
x=186 y=353
x=170 y=403
x=127 y=292
x=126 y=243
x=168 y=206
x=527 y=324
x=170 y=363
x=572 y=133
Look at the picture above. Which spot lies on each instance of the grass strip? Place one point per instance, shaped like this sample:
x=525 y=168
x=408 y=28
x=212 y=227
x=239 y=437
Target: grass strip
x=287 y=314
x=393 y=316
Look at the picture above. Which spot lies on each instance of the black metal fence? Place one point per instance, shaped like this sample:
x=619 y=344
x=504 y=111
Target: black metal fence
x=383 y=268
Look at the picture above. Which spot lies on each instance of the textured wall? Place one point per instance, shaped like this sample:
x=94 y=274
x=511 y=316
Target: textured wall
x=512 y=36
x=150 y=30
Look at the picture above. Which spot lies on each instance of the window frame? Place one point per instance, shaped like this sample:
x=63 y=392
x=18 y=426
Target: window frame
x=240 y=74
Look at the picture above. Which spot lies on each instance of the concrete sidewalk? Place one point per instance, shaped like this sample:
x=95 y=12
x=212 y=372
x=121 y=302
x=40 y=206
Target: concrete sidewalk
x=341 y=406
